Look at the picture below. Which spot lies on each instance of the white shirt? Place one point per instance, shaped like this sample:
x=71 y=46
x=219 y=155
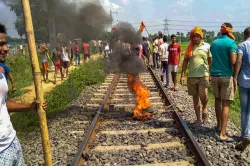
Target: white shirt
x=21 y=47
x=44 y=57
x=106 y=48
x=65 y=54
x=164 y=51
x=7 y=132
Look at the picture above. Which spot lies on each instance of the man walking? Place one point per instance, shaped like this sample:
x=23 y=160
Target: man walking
x=199 y=58
x=86 y=51
x=223 y=50
x=164 y=60
x=155 y=53
x=45 y=65
x=242 y=74
x=76 y=53
x=174 y=50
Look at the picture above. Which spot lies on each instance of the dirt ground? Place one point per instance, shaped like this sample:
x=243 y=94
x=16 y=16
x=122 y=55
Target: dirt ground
x=47 y=87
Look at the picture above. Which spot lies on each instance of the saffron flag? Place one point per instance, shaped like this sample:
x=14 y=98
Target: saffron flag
x=142 y=26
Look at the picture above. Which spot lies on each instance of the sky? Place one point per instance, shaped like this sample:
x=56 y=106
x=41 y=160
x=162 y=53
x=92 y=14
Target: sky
x=182 y=15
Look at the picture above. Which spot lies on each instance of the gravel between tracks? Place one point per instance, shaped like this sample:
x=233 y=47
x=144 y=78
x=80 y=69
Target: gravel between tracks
x=64 y=141
x=218 y=153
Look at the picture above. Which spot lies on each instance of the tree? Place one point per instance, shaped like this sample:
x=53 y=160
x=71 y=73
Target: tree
x=39 y=18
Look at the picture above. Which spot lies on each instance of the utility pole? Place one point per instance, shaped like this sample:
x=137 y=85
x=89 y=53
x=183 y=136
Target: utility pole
x=166 y=27
x=38 y=83
x=111 y=20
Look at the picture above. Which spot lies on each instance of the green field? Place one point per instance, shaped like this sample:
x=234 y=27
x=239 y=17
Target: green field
x=235 y=105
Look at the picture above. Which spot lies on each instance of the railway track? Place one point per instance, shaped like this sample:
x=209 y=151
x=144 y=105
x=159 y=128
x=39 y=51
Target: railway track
x=115 y=138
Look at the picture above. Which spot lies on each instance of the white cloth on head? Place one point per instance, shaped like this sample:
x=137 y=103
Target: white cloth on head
x=7 y=132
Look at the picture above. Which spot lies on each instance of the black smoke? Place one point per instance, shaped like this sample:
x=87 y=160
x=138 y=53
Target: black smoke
x=124 y=42
x=86 y=20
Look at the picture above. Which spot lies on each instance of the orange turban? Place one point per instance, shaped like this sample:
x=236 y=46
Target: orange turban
x=189 y=50
x=228 y=30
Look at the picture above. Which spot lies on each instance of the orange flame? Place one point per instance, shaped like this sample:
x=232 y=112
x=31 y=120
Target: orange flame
x=142 y=94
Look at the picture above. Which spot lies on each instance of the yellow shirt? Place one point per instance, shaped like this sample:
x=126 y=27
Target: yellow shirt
x=198 y=63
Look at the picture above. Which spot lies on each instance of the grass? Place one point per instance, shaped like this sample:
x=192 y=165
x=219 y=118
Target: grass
x=21 y=70
x=234 y=106
x=87 y=74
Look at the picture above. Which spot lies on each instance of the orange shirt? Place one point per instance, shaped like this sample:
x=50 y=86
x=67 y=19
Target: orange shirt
x=86 y=48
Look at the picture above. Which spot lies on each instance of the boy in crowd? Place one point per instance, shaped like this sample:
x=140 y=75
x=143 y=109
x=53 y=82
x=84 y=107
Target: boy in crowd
x=45 y=66
x=65 y=60
x=174 y=50
x=199 y=57
x=86 y=51
x=223 y=50
x=145 y=49
x=57 y=61
x=164 y=60
x=155 y=53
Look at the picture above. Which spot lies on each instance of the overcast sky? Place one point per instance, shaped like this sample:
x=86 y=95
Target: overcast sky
x=178 y=12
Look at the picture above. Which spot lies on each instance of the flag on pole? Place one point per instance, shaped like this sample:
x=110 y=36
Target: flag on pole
x=142 y=26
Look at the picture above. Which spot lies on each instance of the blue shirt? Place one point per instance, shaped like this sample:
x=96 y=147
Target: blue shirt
x=221 y=49
x=6 y=69
x=244 y=75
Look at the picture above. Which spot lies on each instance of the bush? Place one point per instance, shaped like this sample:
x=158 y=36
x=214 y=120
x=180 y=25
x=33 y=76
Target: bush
x=87 y=74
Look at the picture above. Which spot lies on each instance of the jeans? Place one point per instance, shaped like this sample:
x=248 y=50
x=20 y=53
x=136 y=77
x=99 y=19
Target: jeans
x=77 y=59
x=155 y=60
x=165 y=70
x=245 y=111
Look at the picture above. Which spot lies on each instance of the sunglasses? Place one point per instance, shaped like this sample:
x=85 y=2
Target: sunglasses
x=2 y=43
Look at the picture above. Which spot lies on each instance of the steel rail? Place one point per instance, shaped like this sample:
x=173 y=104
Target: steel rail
x=84 y=147
x=201 y=159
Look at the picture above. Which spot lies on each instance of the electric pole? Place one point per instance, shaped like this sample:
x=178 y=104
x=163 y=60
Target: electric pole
x=166 y=27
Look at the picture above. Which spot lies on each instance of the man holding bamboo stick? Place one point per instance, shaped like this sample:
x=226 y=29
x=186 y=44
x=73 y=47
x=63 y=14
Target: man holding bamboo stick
x=10 y=148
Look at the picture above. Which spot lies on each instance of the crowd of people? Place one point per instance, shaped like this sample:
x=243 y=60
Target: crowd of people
x=221 y=64
x=62 y=57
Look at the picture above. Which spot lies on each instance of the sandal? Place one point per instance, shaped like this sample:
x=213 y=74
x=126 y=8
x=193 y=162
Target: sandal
x=228 y=139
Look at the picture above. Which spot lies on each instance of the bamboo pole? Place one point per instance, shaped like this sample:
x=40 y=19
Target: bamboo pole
x=37 y=81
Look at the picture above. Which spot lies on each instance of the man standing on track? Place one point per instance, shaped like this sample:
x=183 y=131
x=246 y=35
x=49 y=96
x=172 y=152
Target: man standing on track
x=174 y=50
x=155 y=53
x=145 y=49
x=223 y=50
x=86 y=51
x=164 y=60
x=242 y=68
x=160 y=42
x=199 y=58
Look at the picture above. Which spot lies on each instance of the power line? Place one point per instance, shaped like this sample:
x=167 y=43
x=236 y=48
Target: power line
x=206 y=21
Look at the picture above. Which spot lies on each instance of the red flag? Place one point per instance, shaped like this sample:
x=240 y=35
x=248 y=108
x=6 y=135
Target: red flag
x=142 y=26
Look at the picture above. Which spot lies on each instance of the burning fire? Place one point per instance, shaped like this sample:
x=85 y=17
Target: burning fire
x=142 y=94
